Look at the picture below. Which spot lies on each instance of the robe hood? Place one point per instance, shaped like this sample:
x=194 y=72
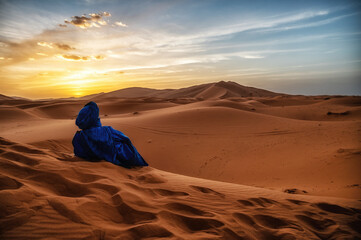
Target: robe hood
x=88 y=116
x=95 y=142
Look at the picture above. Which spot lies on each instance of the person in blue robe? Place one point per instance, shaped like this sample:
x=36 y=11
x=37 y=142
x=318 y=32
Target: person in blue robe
x=96 y=142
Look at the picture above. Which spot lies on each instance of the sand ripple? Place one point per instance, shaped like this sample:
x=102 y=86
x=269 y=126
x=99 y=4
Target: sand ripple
x=50 y=194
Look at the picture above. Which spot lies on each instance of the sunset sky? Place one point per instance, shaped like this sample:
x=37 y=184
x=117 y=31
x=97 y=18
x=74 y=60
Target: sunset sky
x=74 y=48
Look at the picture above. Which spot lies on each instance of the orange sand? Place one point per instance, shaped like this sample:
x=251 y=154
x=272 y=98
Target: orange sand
x=195 y=139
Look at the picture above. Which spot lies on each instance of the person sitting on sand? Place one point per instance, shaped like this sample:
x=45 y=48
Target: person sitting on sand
x=96 y=143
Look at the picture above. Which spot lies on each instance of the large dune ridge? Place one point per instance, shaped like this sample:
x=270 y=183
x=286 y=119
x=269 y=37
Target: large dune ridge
x=226 y=162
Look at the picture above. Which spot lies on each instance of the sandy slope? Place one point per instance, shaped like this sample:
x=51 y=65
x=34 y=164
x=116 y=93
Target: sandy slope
x=304 y=145
x=216 y=90
x=259 y=142
x=47 y=193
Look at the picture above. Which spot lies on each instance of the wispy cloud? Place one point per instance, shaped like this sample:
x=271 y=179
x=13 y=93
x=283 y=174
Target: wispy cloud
x=121 y=24
x=65 y=47
x=88 y=21
x=45 y=44
x=263 y=23
x=79 y=58
x=148 y=42
x=307 y=25
x=252 y=56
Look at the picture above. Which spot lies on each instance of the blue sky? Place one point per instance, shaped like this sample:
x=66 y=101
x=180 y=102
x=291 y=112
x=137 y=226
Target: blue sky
x=299 y=47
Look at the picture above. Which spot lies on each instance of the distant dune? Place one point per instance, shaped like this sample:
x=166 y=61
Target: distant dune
x=3 y=97
x=204 y=91
x=226 y=162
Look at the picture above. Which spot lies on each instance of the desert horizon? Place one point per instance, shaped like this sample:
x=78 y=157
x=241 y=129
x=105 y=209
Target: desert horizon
x=180 y=120
x=225 y=162
x=148 y=92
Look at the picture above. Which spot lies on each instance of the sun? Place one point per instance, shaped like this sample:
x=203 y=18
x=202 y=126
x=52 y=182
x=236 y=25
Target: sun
x=78 y=94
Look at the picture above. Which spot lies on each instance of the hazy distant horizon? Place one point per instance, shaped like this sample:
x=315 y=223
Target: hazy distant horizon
x=295 y=93
x=54 y=49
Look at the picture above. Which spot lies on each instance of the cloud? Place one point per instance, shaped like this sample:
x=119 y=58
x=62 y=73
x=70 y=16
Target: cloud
x=74 y=57
x=45 y=44
x=3 y=45
x=90 y=20
x=263 y=23
x=121 y=24
x=79 y=58
x=252 y=56
x=99 y=57
x=307 y=25
x=62 y=25
x=65 y=47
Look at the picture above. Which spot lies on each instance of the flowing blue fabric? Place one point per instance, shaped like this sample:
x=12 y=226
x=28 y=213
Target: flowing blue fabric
x=95 y=142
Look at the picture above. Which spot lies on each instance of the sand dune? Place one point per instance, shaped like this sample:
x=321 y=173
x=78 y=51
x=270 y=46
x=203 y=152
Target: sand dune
x=3 y=97
x=222 y=167
x=237 y=140
x=45 y=193
x=204 y=91
x=132 y=92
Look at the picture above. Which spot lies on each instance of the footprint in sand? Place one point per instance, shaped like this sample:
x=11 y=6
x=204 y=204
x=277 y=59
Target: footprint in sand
x=9 y=183
x=275 y=223
x=244 y=219
x=245 y=203
x=185 y=209
x=63 y=210
x=169 y=193
x=59 y=184
x=25 y=149
x=4 y=141
x=20 y=157
x=315 y=224
x=262 y=202
x=207 y=191
x=190 y=224
x=334 y=208
x=130 y=214
x=298 y=202
x=150 y=178
x=294 y=191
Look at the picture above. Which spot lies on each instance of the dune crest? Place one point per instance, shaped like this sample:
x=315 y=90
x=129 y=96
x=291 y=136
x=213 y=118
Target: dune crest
x=220 y=89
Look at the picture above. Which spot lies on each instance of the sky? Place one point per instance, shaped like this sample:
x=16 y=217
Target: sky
x=64 y=48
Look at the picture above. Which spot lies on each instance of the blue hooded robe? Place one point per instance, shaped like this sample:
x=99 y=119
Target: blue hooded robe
x=96 y=143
